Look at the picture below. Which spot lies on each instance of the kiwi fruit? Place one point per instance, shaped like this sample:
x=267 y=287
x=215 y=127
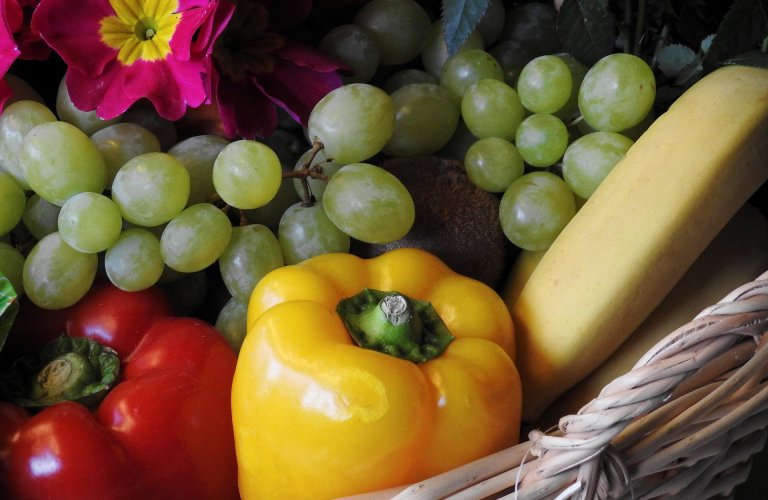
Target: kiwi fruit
x=455 y=220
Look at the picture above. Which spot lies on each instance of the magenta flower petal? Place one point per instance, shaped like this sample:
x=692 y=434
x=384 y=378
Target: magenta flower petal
x=14 y=16
x=71 y=28
x=297 y=89
x=245 y=111
x=8 y=49
x=171 y=85
x=303 y=55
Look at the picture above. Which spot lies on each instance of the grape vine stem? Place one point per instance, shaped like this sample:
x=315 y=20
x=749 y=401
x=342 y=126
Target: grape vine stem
x=309 y=171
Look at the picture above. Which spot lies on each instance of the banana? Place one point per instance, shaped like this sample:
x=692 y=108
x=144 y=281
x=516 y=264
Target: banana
x=640 y=231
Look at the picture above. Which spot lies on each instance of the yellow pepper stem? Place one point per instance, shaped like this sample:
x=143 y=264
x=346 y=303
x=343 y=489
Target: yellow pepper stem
x=391 y=323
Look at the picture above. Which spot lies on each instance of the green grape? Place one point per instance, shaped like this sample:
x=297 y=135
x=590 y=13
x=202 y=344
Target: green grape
x=617 y=93
x=187 y=293
x=541 y=140
x=493 y=164
x=534 y=26
x=56 y=275
x=591 y=158
x=426 y=117
x=492 y=22
x=492 y=109
x=12 y=267
x=232 y=323
x=151 y=189
x=198 y=154
x=545 y=84
x=163 y=129
x=353 y=122
x=317 y=186
x=407 y=77
x=356 y=48
x=12 y=203
x=15 y=122
x=134 y=262
x=156 y=230
x=270 y=214
x=633 y=133
x=121 y=142
x=87 y=121
x=89 y=222
x=467 y=68
x=41 y=217
x=306 y=232
x=534 y=210
x=512 y=56
x=399 y=27
x=247 y=174
x=460 y=142
x=59 y=161
x=578 y=72
x=435 y=52
x=195 y=238
x=252 y=253
x=369 y=204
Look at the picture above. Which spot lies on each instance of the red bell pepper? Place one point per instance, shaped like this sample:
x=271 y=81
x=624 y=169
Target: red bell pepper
x=164 y=431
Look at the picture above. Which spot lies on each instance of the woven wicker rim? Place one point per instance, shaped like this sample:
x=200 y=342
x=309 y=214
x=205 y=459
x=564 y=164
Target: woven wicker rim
x=682 y=424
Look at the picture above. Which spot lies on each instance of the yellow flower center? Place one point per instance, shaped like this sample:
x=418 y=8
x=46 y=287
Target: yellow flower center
x=141 y=29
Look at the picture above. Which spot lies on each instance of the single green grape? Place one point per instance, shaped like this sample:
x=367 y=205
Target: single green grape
x=195 y=238
x=492 y=22
x=353 y=122
x=56 y=275
x=232 y=323
x=369 y=204
x=90 y=222
x=399 y=27
x=435 y=52
x=121 y=142
x=617 y=93
x=252 y=253
x=467 y=68
x=41 y=217
x=591 y=158
x=578 y=72
x=306 y=232
x=356 y=48
x=12 y=267
x=407 y=77
x=270 y=214
x=317 y=186
x=493 y=164
x=535 y=209
x=460 y=142
x=59 y=161
x=426 y=117
x=151 y=189
x=545 y=84
x=492 y=109
x=187 y=292
x=12 y=203
x=533 y=25
x=198 y=155
x=541 y=140
x=512 y=56
x=247 y=174
x=163 y=129
x=134 y=262
x=15 y=122
x=87 y=121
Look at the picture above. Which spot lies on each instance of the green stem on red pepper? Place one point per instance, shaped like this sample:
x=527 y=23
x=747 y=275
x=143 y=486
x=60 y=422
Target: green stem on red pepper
x=66 y=369
x=391 y=323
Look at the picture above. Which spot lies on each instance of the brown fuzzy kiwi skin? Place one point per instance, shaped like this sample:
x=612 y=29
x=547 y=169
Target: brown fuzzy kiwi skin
x=455 y=220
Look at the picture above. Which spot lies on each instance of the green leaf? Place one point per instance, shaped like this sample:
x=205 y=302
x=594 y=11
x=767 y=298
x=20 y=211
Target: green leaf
x=9 y=306
x=460 y=18
x=674 y=58
x=743 y=27
x=755 y=59
x=706 y=43
x=586 y=28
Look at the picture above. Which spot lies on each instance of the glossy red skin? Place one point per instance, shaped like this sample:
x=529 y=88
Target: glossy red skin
x=163 y=433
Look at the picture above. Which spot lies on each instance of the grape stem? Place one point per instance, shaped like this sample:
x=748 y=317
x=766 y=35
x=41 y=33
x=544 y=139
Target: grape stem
x=575 y=121
x=243 y=219
x=639 y=27
x=309 y=171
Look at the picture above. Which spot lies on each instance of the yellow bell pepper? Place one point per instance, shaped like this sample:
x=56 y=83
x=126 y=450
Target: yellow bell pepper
x=317 y=416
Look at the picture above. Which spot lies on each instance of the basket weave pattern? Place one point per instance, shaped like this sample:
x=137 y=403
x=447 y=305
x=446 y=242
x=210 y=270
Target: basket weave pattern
x=681 y=425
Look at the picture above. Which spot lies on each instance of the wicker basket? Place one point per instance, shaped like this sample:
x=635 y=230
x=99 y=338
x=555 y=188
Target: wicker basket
x=682 y=424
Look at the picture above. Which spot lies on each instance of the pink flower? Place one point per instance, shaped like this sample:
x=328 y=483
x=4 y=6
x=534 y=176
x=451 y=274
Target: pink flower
x=119 y=51
x=10 y=17
x=256 y=69
x=31 y=45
